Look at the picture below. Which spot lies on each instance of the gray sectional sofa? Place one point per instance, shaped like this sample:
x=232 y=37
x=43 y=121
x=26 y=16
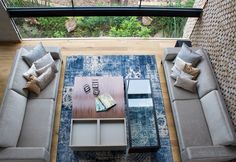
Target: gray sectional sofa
x=204 y=129
x=26 y=120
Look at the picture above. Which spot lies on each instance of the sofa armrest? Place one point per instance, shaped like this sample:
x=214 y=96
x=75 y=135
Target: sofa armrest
x=31 y=154
x=209 y=153
x=170 y=53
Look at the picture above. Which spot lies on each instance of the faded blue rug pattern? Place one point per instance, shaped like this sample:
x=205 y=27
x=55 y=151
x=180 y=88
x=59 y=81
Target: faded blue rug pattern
x=135 y=66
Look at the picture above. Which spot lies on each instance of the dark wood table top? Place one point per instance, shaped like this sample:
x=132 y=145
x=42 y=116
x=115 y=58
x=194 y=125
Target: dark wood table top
x=84 y=104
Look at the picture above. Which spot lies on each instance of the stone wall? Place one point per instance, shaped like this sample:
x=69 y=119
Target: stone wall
x=215 y=31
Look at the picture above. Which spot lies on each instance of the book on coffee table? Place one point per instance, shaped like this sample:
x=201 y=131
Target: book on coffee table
x=104 y=102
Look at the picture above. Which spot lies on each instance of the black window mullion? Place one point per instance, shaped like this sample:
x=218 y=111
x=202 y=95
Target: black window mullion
x=104 y=11
x=72 y=3
x=140 y=3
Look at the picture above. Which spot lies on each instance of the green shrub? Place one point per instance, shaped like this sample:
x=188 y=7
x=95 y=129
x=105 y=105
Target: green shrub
x=171 y=26
x=52 y=27
x=97 y=26
x=101 y=25
x=130 y=28
x=22 y=3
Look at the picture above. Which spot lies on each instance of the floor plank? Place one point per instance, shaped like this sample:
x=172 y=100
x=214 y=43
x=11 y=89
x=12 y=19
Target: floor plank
x=94 y=46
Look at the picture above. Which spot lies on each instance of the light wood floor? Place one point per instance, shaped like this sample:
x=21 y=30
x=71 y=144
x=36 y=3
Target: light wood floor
x=95 y=46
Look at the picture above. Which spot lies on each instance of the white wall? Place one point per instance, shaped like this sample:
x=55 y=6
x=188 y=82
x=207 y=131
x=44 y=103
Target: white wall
x=7 y=29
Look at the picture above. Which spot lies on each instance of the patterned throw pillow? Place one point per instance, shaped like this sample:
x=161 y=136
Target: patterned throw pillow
x=192 y=71
x=30 y=72
x=176 y=72
x=185 y=83
x=179 y=64
x=31 y=56
x=32 y=85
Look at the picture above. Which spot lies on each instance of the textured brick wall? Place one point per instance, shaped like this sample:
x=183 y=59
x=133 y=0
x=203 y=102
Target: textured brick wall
x=215 y=31
x=189 y=26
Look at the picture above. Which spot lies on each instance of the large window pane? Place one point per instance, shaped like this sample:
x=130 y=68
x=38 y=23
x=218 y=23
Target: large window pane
x=38 y=3
x=54 y=27
x=99 y=3
x=105 y=3
x=168 y=3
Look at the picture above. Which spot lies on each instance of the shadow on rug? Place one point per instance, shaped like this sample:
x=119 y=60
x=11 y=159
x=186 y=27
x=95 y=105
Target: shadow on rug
x=136 y=66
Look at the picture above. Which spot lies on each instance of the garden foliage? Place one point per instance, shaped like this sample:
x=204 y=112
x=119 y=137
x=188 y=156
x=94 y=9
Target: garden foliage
x=130 y=26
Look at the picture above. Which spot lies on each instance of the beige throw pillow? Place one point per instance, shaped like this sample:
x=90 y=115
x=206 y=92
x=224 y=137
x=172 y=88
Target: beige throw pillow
x=30 y=72
x=192 y=71
x=185 y=83
x=179 y=64
x=32 y=85
x=176 y=72
x=45 y=78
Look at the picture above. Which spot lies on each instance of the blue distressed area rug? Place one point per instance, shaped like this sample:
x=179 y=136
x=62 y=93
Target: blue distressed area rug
x=135 y=66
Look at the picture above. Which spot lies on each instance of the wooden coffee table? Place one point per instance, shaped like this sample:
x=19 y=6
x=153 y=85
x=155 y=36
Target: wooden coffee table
x=84 y=104
x=91 y=130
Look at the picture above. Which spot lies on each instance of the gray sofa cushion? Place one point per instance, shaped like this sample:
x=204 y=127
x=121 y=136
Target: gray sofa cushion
x=206 y=79
x=218 y=120
x=209 y=154
x=185 y=83
x=43 y=61
x=45 y=79
x=190 y=123
x=11 y=118
x=50 y=92
x=171 y=53
x=24 y=154
x=54 y=50
x=43 y=69
x=36 y=53
x=188 y=55
x=16 y=80
x=38 y=124
x=176 y=93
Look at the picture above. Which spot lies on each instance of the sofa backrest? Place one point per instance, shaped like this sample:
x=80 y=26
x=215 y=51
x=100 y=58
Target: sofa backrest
x=218 y=120
x=16 y=80
x=54 y=50
x=206 y=79
x=11 y=118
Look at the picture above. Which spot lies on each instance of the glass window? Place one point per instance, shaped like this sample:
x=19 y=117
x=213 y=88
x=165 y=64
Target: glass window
x=168 y=3
x=103 y=26
x=38 y=3
x=99 y=3
x=105 y=3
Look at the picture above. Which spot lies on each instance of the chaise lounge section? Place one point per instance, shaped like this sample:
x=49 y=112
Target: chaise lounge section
x=204 y=129
x=26 y=120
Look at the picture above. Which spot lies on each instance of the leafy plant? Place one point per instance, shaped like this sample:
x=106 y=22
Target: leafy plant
x=130 y=28
x=171 y=26
x=101 y=26
x=22 y=3
x=52 y=27
x=98 y=26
